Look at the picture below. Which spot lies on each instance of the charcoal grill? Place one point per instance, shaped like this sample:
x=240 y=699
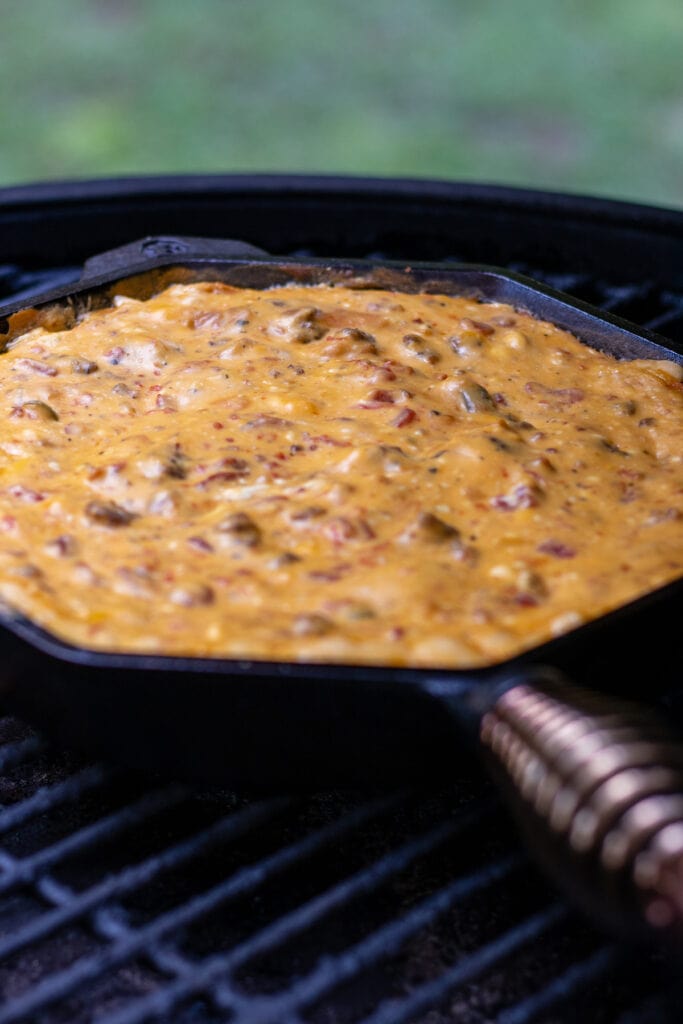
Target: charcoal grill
x=124 y=899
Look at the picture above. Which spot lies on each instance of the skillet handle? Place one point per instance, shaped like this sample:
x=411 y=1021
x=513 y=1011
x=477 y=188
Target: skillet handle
x=596 y=784
x=158 y=249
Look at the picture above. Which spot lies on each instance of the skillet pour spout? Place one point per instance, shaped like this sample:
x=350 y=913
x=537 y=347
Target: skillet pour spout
x=596 y=784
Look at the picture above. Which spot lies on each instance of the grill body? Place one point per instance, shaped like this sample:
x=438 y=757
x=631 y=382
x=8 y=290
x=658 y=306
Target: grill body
x=123 y=900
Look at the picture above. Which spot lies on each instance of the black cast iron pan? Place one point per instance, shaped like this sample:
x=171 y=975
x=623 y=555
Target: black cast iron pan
x=596 y=782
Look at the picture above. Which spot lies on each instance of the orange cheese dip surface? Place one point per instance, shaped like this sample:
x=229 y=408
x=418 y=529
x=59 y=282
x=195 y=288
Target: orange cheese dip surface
x=321 y=473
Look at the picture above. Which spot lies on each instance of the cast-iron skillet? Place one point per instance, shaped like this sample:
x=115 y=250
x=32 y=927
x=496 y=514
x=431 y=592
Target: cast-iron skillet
x=597 y=783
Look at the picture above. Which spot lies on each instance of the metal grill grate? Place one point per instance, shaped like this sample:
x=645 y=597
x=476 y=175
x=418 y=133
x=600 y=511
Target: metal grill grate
x=124 y=901
x=162 y=904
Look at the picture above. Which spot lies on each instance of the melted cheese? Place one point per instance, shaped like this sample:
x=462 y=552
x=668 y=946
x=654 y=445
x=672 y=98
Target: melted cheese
x=322 y=473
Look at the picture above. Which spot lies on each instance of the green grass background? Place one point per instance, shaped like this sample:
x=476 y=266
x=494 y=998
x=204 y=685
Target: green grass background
x=576 y=95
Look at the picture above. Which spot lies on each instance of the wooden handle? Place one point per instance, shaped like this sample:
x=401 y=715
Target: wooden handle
x=597 y=786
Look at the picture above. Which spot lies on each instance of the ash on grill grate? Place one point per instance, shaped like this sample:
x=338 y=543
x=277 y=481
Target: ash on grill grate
x=126 y=901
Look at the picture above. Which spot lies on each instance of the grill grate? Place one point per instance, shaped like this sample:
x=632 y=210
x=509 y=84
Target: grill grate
x=152 y=903
x=126 y=901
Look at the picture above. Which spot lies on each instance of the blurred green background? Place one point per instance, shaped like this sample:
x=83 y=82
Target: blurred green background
x=581 y=96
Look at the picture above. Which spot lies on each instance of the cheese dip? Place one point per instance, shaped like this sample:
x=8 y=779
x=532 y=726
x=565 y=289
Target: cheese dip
x=321 y=473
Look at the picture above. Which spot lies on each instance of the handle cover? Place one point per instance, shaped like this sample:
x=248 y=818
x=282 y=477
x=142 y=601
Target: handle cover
x=597 y=786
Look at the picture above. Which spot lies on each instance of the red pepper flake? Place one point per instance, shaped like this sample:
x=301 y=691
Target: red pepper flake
x=329 y=575
x=26 y=494
x=557 y=549
x=199 y=544
x=326 y=439
x=303 y=515
x=263 y=420
x=235 y=464
x=627 y=485
x=218 y=426
x=468 y=324
x=340 y=529
x=219 y=478
x=405 y=417
x=325 y=576
x=394 y=364
x=663 y=515
x=385 y=397
x=629 y=492
x=115 y=355
x=62 y=546
x=365 y=531
x=525 y=600
x=36 y=366
x=523 y=496
x=376 y=399
x=561 y=396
